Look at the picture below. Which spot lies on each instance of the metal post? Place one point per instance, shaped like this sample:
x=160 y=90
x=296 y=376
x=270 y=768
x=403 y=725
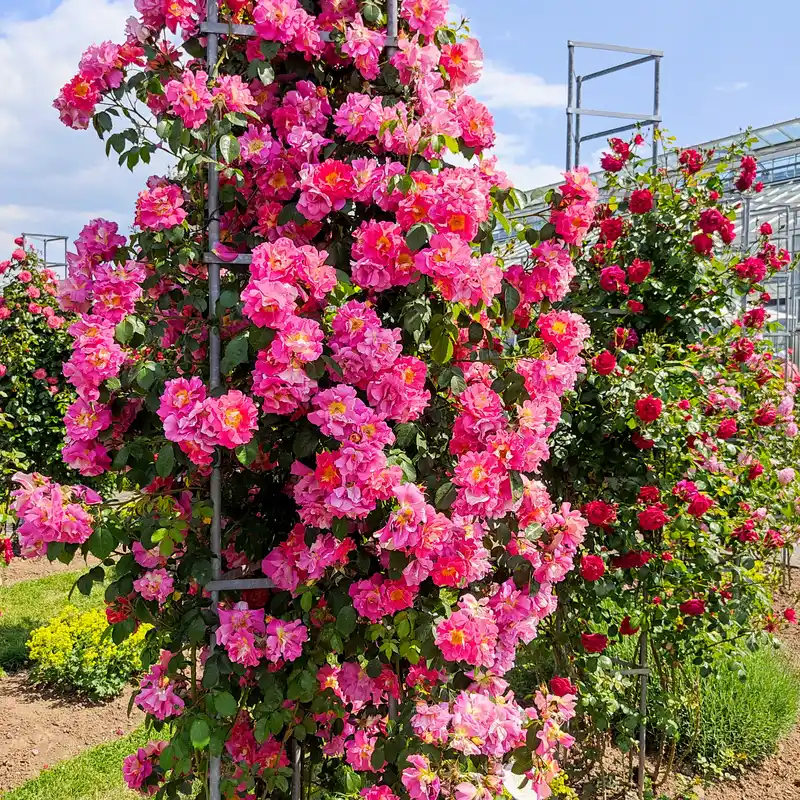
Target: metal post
x=215 y=486
x=391 y=27
x=656 y=105
x=297 y=770
x=570 y=73
x=642 y=711
x=578 y=101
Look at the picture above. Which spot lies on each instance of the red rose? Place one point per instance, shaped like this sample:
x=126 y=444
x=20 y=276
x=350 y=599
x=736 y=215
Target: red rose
x=742 y=350
x=594 y=642
x=765 y=229
x=765 y=416
x=649 y=494
x=19 y=241
x=703 y=244
x=626 y=629
x=256 y=598
x=699 y=505
x=611 y=163
x=18 y=254
x=612 y=279
x=611 y=228
x=639 y=270
x=653 y=518
x=754 y=318
x=598 y=512
x=625 y=337
x=635 y=307
x=755 y=471
x=790 y=615
x=604 y=363
x=648 y=409
x=640 y=442
x=656 y=601
x=693 y=608
x=641 y=201
x=691 y=161
x=592 y=568
x=667 y=556
x=727 y=428
x=562 y=686
x=632 y=560
x=684 y=405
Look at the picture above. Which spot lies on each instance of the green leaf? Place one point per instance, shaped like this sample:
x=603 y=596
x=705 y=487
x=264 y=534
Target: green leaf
x=225 y=704
x=346 y=621
x=247 y=453
x=200 y=734
x=445 y=496
x=419 y=235
x=235 y=354
x=378 y=759
x=165 y=461
x=229 y=148
x=305 y=443
x=476 y=332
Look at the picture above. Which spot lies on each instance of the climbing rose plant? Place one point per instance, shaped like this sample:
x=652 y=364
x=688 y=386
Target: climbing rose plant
x=380 y=422
x=33 y=394
x=678 y=443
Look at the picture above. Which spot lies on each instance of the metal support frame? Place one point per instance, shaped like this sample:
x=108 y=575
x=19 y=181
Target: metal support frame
x=41 y=242
x=576 y=110
x=213 y=29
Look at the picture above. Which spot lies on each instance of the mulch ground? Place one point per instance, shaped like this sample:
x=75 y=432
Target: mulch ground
x=39 y=728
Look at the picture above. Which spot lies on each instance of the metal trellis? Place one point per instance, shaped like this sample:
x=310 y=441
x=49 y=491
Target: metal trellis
x=42 y=242
x=576 y=110
x=213 y=29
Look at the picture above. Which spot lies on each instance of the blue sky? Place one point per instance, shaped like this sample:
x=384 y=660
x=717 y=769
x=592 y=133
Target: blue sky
x=726 y=66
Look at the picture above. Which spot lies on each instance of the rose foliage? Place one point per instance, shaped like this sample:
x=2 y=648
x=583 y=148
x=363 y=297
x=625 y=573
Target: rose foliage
x=380 y=422
x=677 y=444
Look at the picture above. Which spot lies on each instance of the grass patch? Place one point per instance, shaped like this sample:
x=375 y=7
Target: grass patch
x=741 y=721
x=30 y=604
x=93 y=775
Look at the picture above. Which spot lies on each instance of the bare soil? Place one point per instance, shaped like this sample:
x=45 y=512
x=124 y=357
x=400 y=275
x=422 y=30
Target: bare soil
x=39 y=727
x=23 y=569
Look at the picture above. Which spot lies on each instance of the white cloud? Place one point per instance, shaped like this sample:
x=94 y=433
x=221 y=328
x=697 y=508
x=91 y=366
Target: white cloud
x=730 y=88
x=500 y=87
x=525 y=171
x=55 y=179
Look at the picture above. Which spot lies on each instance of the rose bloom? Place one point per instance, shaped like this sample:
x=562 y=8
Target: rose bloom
x=598 y=512
x=653 y=518
x=640 y=442
x=639 y=270
x=790 y=615
x=641 y=201
x=649 y=495
x=755 y=471
x=561 y=686
x=594 y=642
x=604 y=363
x=592 y=568
x=626 y=628
x=727 y=428
x=699 y=505
x=648 y=409
x=635 y=307
x=693 y=608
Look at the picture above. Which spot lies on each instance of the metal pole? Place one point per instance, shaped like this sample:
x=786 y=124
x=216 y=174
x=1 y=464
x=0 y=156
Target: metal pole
x=391 y=27
x=642 y=711
x=215 y=486
x=745 y=238
x=570 y=72
x=297 y=770
x=656 y=104
x=578 y=99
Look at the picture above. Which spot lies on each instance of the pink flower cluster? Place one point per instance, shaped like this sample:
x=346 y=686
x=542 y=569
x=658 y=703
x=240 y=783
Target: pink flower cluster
x=157 y=695
x=248 y=636
x=141 y=770
x=50 y=512
x=198 y=423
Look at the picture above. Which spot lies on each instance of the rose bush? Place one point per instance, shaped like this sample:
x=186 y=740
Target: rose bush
x=388 y=389
x=674 y=444
x=33 y=394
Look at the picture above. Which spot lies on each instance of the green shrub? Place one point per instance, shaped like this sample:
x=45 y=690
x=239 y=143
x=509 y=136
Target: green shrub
x=27 y=605
x=74 y=651
x=742 y=714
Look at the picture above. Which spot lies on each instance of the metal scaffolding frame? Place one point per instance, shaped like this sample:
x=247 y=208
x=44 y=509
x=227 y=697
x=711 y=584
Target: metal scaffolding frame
x=213 y=29
x=575 y=109
x=41 y=241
